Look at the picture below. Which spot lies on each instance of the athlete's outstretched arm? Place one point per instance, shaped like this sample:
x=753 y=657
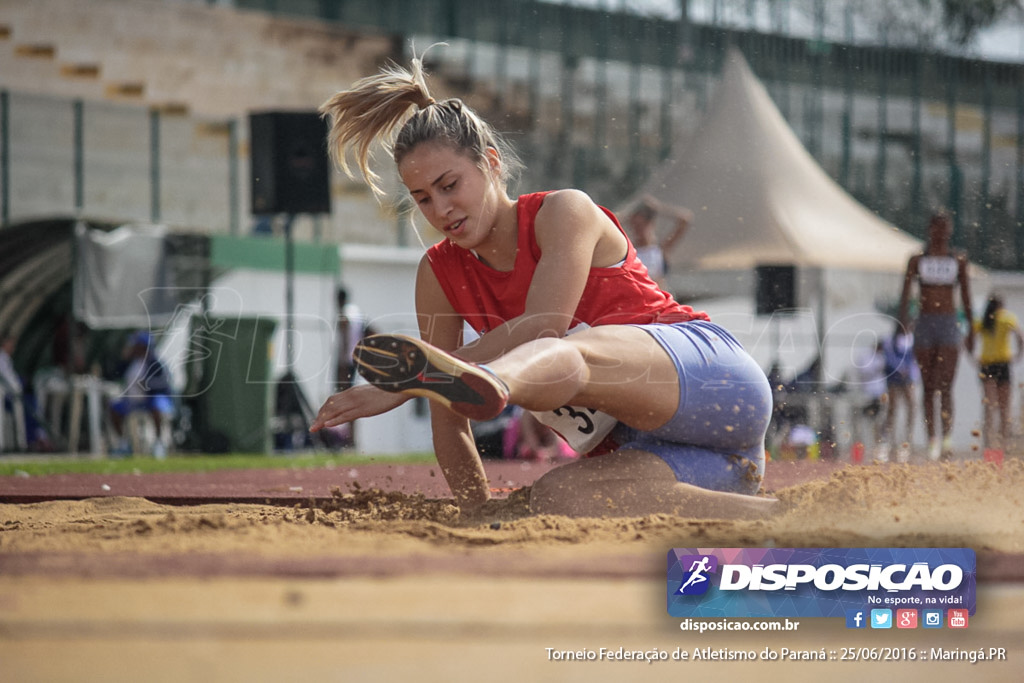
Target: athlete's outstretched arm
x=356 y=402
x=905 y=293
x=454 y=445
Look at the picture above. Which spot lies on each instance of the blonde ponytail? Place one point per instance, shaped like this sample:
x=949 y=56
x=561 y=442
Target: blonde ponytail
x=397 y=99
x=371 y=110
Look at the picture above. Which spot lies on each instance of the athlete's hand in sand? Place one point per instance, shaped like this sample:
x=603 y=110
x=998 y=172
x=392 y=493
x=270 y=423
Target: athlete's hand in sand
x=364 y=400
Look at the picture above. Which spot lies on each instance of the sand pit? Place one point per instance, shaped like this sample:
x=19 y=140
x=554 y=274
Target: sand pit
x=369 y=584
x=970 y=504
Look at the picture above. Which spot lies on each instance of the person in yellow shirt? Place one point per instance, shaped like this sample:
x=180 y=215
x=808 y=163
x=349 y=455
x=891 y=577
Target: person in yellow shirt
x=996 y=328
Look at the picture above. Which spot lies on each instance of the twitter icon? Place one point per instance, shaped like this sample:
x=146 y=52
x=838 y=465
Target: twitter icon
x=881 y=618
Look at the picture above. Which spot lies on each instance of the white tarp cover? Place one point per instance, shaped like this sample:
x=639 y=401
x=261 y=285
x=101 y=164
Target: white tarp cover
x=121 y=278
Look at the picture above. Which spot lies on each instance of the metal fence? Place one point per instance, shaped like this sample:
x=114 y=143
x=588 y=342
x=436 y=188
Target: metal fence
x=903 y=130
x=62 y=156
x=591 y=97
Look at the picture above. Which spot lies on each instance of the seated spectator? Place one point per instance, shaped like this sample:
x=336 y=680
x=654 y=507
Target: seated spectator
x=902 y=378
x=870 y=380
x=147 y=387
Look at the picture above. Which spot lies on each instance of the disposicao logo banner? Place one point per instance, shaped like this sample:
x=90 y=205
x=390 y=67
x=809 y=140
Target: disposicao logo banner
x=817 y=582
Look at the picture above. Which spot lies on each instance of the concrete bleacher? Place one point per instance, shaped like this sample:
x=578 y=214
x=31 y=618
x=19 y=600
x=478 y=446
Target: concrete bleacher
x=218 y=61
x=203 y=69
x=150 y=100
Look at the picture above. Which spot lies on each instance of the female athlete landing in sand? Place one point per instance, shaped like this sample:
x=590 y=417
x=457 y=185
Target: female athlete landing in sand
x=571 y=328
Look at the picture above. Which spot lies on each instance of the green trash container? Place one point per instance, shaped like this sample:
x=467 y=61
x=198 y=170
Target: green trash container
x=234 y=396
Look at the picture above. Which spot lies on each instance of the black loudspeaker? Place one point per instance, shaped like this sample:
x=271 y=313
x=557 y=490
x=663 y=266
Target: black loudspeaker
x=776 y=288
x=290 y=166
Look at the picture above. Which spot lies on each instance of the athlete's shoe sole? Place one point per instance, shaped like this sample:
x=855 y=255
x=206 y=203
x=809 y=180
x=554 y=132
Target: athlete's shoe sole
x=402 y=364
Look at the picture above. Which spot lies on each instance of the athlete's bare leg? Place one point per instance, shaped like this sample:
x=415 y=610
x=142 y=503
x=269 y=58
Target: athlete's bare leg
x=619 y=370
x=634 y=483
x=622 y=371
x=938 y=369
x=946 y=373
x=926 y=362
x=990 y=407
x=1004 y=414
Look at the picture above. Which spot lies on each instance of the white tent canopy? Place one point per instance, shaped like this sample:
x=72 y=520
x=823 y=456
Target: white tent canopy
x=760 y=198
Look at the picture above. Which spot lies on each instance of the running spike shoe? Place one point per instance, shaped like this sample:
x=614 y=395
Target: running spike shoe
x=398 y=363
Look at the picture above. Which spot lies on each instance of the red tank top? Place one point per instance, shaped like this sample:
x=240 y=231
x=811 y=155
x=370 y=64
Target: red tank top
x=485 y=297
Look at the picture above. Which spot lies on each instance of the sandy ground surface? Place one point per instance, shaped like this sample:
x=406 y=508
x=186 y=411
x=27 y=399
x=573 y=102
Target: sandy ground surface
x=342 y=580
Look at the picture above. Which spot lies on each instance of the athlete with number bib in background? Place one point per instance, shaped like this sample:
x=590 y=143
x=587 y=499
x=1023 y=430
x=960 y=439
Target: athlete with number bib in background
x=572 y=328
x=939 y=270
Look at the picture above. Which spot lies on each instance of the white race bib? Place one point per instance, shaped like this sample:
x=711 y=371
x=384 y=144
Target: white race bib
x=938 y=270
x=582 y=428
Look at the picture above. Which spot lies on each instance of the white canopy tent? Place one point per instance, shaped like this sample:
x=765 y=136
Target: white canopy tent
x=760 y=199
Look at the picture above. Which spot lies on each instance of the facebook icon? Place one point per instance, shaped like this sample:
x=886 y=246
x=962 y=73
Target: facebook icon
x=855 y=618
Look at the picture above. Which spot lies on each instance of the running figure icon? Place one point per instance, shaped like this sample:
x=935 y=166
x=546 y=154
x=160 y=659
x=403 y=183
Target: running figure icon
x=697 y=573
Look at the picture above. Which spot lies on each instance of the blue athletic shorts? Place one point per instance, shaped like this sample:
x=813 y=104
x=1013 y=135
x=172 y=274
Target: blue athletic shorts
x=158 y=402
x=716 y=438
x=933 y=330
